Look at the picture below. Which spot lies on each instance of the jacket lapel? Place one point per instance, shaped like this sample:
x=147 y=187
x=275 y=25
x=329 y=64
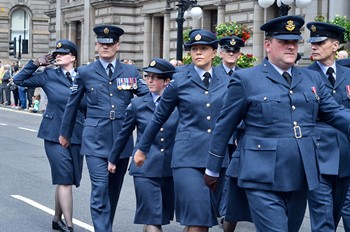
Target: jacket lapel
x=271 y=73
x=148 y=100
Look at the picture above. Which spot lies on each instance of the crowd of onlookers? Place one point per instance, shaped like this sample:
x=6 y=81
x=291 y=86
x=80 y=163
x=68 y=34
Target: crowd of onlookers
x=17 y=97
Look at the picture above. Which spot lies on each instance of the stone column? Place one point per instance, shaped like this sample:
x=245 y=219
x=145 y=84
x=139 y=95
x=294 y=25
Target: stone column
x=221 y=14
x=147 y=42
x=166 y=36
x=258 y=35
x=58 y=19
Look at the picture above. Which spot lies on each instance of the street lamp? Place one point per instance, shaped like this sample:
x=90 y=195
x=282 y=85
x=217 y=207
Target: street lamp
x=196 y=13
x=284 y=4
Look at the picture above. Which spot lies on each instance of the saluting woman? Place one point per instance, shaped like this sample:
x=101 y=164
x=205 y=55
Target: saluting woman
x=66 y=163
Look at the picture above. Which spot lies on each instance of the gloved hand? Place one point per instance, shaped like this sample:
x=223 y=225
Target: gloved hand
x=44 y=60
x=211 y=181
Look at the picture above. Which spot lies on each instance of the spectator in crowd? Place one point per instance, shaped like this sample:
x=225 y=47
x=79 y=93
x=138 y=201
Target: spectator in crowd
x=5 y=84
x=343 y=54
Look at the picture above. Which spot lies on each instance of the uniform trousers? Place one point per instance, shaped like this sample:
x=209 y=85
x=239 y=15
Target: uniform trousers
x=277 y=211
x=326 y=203
x=237 y=207
x=105 y=191
x=346 y=212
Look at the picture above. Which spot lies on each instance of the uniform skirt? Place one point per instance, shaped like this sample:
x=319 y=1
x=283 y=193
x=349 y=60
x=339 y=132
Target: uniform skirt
x=66 y=163
x=195 y=203
x=154 y=200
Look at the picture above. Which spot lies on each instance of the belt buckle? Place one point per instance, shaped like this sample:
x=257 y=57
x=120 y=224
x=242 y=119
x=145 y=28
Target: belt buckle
x=112 y=115
x=297 y=132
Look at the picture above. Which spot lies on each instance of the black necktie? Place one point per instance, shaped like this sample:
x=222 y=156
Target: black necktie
x=206 y=79
x=287 y=77
x=330 y=72
x=230 y=72
x=157 y=101
x=69 y=77
x=110 y=70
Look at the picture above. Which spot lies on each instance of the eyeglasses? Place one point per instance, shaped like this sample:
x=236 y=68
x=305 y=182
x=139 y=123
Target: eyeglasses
x=154 y=77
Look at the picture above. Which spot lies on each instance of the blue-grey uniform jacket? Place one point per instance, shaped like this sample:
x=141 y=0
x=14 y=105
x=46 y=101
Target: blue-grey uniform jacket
x=333 y=155
x=57 y=89
x=106 y=102
x=198 y=109
x=138 y=114
x=279 y=143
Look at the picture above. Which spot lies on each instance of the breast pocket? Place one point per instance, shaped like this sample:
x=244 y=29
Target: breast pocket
x=266 y=107
x=312 y=101
x=345 y=99
x=92 y=94
x=259 y=160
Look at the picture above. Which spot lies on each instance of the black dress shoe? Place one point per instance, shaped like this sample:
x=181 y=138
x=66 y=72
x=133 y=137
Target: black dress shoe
x=60 y=225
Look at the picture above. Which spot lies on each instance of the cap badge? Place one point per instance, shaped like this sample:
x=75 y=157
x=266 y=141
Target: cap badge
x=233 y=42
x=59 y=45
x=153 y=63
x=106 y=31
x=313 y=28
x=290 y=25
x=198 y=37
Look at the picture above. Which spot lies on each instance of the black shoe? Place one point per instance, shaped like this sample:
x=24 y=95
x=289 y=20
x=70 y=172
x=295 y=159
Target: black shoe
x=60 y=225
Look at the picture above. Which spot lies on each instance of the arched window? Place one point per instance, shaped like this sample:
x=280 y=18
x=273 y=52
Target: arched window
x=20 y=29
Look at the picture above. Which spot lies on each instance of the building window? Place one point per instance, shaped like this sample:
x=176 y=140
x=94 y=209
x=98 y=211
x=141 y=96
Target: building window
x=20 y=27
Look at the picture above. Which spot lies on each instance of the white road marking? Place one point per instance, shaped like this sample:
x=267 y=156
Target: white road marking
x=27 y=129
x=52 y=212
x=3 y=124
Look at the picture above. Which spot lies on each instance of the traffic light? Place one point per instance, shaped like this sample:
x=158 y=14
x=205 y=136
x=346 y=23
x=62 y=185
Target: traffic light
x=12 y=48
x=25 y=46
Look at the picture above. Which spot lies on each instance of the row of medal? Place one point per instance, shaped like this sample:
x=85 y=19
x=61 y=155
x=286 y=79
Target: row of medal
x=127 y=83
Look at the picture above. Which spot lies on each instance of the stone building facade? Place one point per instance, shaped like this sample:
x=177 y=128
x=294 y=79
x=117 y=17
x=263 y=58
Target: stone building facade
x=150 y=25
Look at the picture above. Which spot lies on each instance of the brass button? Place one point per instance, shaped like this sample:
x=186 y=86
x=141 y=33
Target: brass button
x=265 y=98
x=293 y=107
x=111 y=94
x=290 y=92
x=162 y=129
x=162 y=139
x=162 y=150
x=209 y=130
x=112 y=106
x=208 y=118
x=208 y=105
x=259 y=146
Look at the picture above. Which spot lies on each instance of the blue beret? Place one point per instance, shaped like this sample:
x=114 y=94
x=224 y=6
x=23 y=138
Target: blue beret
x=160 y=66
x=284 y=27
x=66 y=46
x=232 y=43
x=202 y=37
x=108 y=34
x=320 y=31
